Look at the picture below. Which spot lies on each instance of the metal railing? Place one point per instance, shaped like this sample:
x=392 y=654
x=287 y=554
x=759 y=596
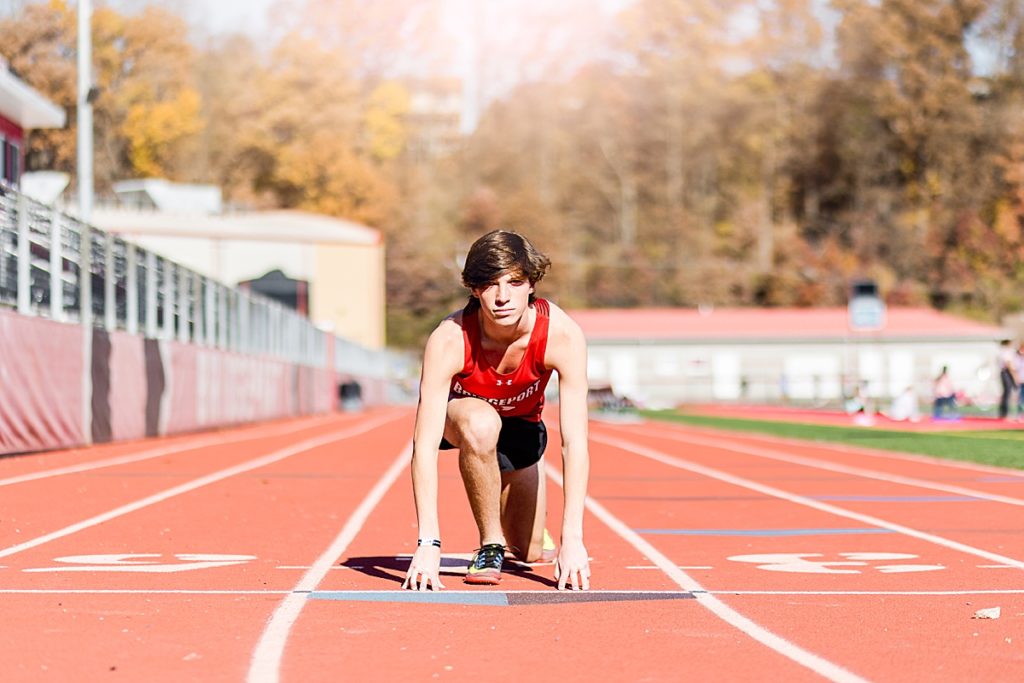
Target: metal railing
x=54 y=266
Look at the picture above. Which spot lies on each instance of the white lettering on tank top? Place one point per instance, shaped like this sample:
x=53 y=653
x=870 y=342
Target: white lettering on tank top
x=506 y=403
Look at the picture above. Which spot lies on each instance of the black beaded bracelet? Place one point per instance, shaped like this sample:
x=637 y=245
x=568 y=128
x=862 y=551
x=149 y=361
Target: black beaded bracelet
x=436 y=542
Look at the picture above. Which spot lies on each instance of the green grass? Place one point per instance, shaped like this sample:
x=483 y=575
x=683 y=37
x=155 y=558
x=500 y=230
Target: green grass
x=1002 y=448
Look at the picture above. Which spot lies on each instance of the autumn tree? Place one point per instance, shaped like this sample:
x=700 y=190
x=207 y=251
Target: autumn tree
x=147 y=88
x=39 y=45
x=147 y=110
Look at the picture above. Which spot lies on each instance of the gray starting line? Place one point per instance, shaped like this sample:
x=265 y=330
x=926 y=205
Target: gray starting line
x=491 y=597
x=499 y=598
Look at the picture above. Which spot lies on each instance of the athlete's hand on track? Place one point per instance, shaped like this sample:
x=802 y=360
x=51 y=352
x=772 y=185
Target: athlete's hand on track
x=424 y=569
x=572 y=566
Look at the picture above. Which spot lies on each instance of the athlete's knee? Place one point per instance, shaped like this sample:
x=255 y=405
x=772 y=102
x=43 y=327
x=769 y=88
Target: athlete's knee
x=479 y=431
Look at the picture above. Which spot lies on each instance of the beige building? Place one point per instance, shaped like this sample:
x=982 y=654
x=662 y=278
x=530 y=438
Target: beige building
x=667 y=357
x=342 y=261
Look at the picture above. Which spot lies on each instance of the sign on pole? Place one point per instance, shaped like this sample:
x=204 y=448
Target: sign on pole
x=866 y=308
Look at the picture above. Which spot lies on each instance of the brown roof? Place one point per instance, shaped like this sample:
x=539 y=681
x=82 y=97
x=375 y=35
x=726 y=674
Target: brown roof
x=771 y=323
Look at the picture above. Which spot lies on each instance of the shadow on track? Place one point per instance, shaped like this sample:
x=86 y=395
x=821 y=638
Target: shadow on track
x=392 y=569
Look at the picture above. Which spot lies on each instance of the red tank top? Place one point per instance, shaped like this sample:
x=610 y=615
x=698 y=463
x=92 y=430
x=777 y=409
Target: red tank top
x=519 y=393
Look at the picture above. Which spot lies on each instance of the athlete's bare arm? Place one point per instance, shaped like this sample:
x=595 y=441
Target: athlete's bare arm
x=567 y=354
x=442 y=358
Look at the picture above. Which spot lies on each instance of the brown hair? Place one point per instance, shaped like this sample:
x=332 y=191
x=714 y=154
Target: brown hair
x=499 y=252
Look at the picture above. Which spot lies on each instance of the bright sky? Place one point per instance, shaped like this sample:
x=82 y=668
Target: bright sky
x=494 y=24
x=247 y=16
x=220 y=16
x=251 y=16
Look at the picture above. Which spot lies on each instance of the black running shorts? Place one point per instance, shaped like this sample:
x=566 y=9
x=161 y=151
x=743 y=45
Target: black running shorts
x=521 y=443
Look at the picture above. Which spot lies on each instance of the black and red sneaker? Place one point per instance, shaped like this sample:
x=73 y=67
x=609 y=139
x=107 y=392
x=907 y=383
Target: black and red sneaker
x=485 y=566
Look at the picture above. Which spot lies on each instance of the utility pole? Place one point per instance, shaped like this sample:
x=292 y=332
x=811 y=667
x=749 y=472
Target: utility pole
x=85 y=180
x=472 y=83
x=85 y=205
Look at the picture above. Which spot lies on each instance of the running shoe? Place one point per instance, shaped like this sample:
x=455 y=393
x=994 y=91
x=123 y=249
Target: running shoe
x=485 y=566
x=548 y=549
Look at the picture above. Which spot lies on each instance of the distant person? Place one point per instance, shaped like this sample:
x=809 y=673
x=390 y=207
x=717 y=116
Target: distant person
x=904 y=407
x=860 y=407
x=1006 y=363
x=859 y=401
x=855 y=401
x=943 y=396
x=1020 y=382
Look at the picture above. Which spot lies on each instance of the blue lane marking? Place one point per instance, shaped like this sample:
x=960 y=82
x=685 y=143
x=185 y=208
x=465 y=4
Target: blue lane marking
x=439 y=597
x=760 y=532
x=904 y=499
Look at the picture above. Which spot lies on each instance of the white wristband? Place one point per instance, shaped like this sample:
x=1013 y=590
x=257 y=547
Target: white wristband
x=436 y=542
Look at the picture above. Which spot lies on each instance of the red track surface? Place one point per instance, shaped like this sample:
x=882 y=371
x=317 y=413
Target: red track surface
x=252 y=556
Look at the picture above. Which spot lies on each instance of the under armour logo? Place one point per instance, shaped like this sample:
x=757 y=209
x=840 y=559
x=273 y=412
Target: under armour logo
x=508 y=383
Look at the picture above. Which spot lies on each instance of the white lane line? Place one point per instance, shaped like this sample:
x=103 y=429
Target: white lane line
x=190 y=445
x=123 y=591
x=679 y=463
x=305 y=594
x=265 y=665
x=843 y=469
x=199 y=483
x=815 y=663
x=848 y=450
x=1009 y=591
x=640 y=566
x=286 y=566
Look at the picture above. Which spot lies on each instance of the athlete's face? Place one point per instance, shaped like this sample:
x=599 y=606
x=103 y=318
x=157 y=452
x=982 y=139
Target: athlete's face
x=505 y=300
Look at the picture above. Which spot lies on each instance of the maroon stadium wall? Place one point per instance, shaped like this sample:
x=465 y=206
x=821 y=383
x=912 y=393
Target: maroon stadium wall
x=41 y=384
x=59 y=389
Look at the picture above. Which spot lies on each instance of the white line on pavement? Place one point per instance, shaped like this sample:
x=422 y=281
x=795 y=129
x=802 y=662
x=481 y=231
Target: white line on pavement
x=709 y=472
x=843 y=469
x=192 y=444
x=819 y=665
x=265 y=665
x=199 y=483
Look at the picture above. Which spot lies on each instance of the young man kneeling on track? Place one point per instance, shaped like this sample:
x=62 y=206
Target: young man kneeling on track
x=485 y=368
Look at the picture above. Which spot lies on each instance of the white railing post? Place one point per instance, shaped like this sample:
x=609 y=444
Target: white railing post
x=131 y=290
x=85 y=276
x=210 y=338
x=56 y=266
x=184 y=310
x=168 y=287
x=198 y=309
x=222 y=317
x=109 y=284
x=24 y=258
x=244 y=324
x=150 y=295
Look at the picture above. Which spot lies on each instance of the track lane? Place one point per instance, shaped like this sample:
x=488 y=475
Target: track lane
x=279 y=519
x=339 y=635
x=997 y=481
x=265 y=665
x=21 y=468
x=287 y=514
x=858 y=471
x=742 y=524
x=31 y=518
x=988 y=532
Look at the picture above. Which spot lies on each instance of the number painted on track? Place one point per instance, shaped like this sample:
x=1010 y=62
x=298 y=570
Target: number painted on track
x=143 y=562
x=802 y=563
